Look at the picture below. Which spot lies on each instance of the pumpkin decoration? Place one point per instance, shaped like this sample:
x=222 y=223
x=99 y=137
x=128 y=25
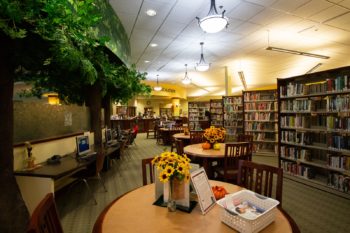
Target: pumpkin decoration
x=206 y=146
x=219 y=192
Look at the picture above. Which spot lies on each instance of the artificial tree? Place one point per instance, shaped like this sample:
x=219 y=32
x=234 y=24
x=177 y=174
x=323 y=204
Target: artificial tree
x=53 y=44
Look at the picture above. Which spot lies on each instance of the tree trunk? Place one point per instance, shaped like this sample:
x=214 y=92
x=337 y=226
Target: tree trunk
x=14 y=216
x=108 y=110
x=95 y=100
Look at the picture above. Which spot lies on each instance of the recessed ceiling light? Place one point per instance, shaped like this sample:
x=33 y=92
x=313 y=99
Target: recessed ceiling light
x=153 y=45
x=151 y=12
x=146 y=61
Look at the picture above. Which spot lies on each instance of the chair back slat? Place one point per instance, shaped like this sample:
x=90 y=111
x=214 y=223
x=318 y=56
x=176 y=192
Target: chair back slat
x=196 y=136
x=260 y=178
x=179 y=146
x=147 y=163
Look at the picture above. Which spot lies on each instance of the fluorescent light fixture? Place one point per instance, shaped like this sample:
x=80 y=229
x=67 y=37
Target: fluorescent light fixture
x=153 y=45
x=213 y=22
x=313 y=68
x=151 y=12
x=296 y=52
x=202 y=65
x=186 y=80
x=241 y=76
x=157 y=88
x=147 y=61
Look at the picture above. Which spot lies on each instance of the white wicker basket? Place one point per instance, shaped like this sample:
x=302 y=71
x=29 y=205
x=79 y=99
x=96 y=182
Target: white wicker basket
x=249 y=222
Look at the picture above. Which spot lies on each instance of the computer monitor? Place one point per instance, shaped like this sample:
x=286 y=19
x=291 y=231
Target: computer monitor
x=108 y=136
x=83 y=146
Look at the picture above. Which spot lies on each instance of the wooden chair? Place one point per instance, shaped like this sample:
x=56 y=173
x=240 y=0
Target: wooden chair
x=152 y=131
x=45 y=217
x=145 y=163
x=196 y=136
x=259 y=178
x=233 y=153
x=179 y=146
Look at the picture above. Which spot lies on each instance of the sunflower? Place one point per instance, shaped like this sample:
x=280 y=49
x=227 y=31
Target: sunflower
x=163 y=177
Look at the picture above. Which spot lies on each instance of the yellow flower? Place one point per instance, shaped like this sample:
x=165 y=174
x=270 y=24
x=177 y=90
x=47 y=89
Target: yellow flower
x=172 y=165
x=163 y=176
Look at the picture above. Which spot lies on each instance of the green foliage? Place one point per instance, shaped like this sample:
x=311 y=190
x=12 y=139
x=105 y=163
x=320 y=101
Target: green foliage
x=72 y=57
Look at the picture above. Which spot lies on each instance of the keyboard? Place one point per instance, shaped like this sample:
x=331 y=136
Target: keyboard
x=87 y=156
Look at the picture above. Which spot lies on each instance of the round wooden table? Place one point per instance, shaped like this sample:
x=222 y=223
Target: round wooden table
x=206 y=156
x=182 y=136
x=134 y=213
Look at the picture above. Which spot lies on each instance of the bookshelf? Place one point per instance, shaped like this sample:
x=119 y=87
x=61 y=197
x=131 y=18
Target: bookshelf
x=196 y=114
x=260 y=120
x=216 y=113
x=233 y=116
x=126 y=111
x=314 y=129
x=167 y=111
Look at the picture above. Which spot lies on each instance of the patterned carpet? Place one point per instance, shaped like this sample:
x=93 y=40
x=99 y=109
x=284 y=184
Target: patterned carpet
x=313 y=210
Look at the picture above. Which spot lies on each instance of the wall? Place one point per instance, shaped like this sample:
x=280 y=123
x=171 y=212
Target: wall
x=37 y=120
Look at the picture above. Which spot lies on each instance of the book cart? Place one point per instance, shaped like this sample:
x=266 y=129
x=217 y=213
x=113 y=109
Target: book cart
x=196 y=114
x=233 y=116
x=260 y=120
x=314 y=129
x=216 y=113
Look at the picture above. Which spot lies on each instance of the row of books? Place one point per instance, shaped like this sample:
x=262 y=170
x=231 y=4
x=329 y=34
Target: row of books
x=216 y=105
x=339 y=142
x=233 y=100
x=260 y=116
x=193 y=118
x=298 y=169
x=338 y=84
x=216 y=117
x=233 y=116
x=233 y=123
x=338 y=161
x=338 y=123
x=253 y=96
x=216 y=123
x=264 y=136
x=295 y=153
x=338 y=103
x=299 y=121
x=265 y=147
x=297 y=105
x=216 y=110
x=199 y=105
x=261 y=106
x=339 y=181
x=232 y=108
x=300 y=138
x=260 y=126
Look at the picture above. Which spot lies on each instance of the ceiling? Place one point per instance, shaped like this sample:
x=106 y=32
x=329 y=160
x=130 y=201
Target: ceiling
x=313 y=26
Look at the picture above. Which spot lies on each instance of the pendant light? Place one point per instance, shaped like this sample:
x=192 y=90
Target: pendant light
x=186 y=80
x=213 y=22
x=202 y=65
x=157 y=88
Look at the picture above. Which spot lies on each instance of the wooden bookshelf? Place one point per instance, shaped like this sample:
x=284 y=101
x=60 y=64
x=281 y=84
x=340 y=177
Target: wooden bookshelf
x=167 y=111
x=314 y=129
x=260 y=120
x=233 y=116
x=216 y=113
x=197 y=118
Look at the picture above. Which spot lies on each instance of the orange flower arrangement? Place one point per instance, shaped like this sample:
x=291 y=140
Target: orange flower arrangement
x=214 y=135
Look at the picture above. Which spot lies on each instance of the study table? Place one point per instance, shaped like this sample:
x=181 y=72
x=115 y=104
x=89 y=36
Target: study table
x=207 y=155
x=135 y=213
x=35 y=184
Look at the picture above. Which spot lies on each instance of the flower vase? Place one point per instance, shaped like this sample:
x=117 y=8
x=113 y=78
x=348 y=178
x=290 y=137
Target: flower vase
x=212 y=145
x=176 y=192
x=171 y=201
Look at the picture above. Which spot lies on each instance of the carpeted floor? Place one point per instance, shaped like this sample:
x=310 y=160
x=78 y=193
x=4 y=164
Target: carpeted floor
x=313 y=210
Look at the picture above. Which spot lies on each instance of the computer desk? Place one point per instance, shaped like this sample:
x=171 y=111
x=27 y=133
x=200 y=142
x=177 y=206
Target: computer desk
x=35 y=184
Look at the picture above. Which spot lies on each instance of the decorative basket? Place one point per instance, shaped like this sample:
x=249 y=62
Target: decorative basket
x=247 y=212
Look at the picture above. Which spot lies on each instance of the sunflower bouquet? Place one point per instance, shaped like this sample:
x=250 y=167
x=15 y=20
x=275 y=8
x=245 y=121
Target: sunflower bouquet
x=214 y=135
x=172 y=166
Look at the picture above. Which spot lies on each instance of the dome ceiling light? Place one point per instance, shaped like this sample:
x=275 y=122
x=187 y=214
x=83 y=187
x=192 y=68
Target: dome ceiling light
x=186 y=80
x=213 y=22
x=202 y=65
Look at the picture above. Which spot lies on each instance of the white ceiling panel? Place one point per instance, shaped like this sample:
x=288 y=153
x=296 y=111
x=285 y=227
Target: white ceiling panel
x=316 y=26
x=328 y=14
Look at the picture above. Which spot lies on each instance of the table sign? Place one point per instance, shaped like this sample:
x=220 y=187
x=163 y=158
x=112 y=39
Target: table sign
x=203 y=189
